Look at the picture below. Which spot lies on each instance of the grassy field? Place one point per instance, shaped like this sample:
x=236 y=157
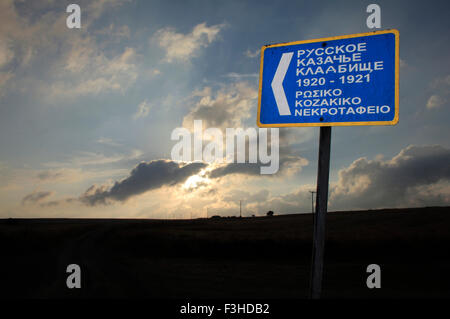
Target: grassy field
x=258 y=257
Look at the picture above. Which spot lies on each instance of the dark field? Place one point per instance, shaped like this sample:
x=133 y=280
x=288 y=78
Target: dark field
x=262 y=257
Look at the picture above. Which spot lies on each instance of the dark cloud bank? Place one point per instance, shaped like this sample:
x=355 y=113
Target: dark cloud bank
x=158 y=173
x=144 y=177
x=405 y=180
x=417 y=175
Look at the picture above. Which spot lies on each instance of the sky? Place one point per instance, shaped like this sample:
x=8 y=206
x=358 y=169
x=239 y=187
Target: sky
x=86 y=115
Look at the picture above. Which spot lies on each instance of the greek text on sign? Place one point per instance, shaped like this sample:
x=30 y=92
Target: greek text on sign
x=344 y=80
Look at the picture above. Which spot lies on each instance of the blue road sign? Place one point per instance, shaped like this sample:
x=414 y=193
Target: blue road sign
x=344 y=80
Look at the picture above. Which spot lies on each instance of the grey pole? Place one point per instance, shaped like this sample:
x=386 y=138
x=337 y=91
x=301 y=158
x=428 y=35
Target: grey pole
x=321 y=211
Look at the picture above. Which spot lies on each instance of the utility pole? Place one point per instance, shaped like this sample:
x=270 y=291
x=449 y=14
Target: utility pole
x=312 y=200
x=240 y=209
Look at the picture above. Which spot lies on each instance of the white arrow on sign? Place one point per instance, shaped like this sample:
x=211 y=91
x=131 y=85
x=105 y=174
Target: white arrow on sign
x=277 y=84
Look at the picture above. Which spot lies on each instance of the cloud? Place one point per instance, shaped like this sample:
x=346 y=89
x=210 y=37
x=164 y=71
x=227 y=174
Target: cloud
x=143 y=110
x=403 y=63
x=61 y=176
x=75 y=65
x=115 y=32
x=15 y=35
x=435 y=101
x=49 y=175
x=6 y=54
x=416 y=176
x=252 y=54
x=401 y=181
x=290 y=161
x=161 y=173
x=144 y=177
x=289 y=165
x=239 y=76
x=108 y=141
x=90 y=72
x=235 y=168
x=36 y=197
x=228 y=107
x=183 y=47
x=442 y=87
x=6 y=57
x=93 y=158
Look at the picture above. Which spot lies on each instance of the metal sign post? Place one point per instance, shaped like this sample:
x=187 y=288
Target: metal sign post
x=321 y=211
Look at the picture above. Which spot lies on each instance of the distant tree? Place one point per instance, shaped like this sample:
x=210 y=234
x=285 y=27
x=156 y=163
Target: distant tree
x=269 y=213
x=215 y=217
x=253 y=215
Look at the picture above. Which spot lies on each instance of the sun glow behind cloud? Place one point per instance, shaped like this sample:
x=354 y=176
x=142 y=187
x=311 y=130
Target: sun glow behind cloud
x=195 y=181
